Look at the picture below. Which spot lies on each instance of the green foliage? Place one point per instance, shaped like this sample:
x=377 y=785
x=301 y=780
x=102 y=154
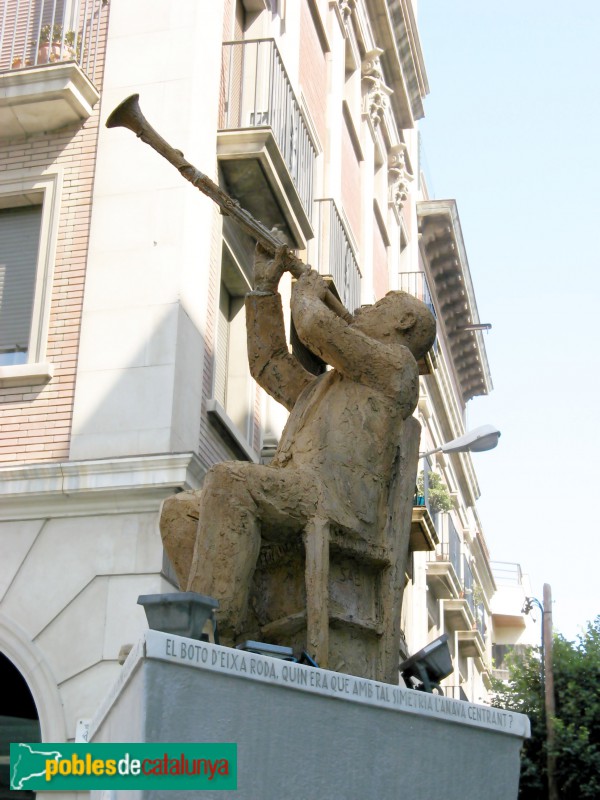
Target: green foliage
x=51 y=32
x=55 y=32
x=437 y=492
x=576 y=668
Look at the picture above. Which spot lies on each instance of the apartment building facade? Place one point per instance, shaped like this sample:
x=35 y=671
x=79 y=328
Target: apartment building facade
x=123 y=373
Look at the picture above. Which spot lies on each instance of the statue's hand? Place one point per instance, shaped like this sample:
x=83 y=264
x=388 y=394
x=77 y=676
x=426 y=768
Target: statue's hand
x=267 y=270
x=313 y=283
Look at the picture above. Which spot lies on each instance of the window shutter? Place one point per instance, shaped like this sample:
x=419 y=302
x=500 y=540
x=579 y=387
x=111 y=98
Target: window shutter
x=19 y=244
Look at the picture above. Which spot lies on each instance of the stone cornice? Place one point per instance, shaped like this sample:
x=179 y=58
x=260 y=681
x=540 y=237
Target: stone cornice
x=396 y=33
x=444 y=250
x=411 y=55
x=100 y=486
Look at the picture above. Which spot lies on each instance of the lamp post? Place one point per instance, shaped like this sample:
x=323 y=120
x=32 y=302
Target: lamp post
x=547 y=676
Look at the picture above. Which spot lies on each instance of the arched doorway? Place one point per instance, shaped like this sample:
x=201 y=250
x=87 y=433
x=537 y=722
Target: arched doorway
x=19 y=721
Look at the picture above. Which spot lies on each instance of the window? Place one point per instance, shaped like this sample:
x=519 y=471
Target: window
x=230 y=329
x=232 y=406
x=20 y=237
x=28 y=230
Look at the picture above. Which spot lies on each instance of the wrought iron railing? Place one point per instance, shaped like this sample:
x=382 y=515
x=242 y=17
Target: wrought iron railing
x=453 y=544
x=332 y=254
x=457 y=692
x=421 y=496
x=480 y=617
x=507 y=573
x=34 y=33
x=449 y=547
x=468 y=584
x=257 y=93
x=415 y=283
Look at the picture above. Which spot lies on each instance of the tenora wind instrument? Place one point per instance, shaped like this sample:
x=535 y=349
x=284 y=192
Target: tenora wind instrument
x=129 y=115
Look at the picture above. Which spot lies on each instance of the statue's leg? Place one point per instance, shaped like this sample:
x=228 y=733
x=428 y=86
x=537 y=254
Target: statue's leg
x=227 y=544
x=238 y=499
x=178 y=521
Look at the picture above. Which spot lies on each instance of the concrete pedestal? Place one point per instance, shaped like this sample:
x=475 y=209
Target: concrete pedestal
x=308 y=733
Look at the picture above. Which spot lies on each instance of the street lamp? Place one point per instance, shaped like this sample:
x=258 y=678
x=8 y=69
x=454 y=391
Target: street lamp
x=476 y=441
x=528 y=605
x=485 y=437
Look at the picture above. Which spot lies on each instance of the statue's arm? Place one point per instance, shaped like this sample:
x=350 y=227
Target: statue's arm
x=271 y=364
x=390 y=369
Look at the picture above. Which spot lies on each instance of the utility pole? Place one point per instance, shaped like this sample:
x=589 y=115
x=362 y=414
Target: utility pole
x=549 y=692
x=547 y=681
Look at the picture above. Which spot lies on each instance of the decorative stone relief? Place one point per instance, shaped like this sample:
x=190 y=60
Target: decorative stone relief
x=347 y=8
x=399 y=176
x=376 y=93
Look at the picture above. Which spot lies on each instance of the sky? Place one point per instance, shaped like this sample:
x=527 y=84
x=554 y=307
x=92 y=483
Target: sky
x=512 y=132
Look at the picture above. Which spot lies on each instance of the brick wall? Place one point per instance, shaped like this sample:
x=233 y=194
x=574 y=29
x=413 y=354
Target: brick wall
x=313 y=72
x=351 y=187
x=381 y=278
x=35 y=420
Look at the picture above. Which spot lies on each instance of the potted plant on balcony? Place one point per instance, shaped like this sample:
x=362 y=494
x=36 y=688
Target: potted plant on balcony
x=438 y=496
x=49 y=49
x=18 y=62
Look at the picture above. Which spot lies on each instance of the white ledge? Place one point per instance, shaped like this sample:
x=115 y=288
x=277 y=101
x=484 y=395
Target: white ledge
x=112 y=485
x=26 y=374
x=44 y=99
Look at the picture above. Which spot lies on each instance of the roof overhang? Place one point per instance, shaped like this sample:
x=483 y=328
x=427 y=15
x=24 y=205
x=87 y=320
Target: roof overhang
x=444 y=250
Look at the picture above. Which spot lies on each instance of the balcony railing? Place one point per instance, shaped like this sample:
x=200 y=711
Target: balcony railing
x=468 y=584
x=457 y=692
x=331 y=253
x=415 y=283
x=507 y=573
x=453 y=546
x=422 y=498
x=34 y=33
x=449 y=548
x=258 y=93
x=480 y=616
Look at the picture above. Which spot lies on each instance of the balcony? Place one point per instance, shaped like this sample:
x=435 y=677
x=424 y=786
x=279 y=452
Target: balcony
x=49 y=62
x=507 y=603
x=470 y=643
x=423 y=535
x=265 y=150
x=458 y=616
x=443 y=566
x=331 y=253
